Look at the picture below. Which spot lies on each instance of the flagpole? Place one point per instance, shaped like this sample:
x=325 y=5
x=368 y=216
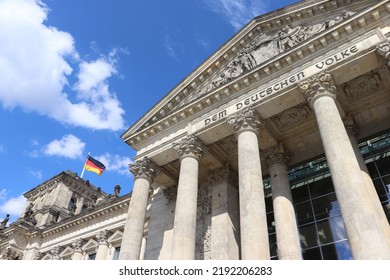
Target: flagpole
x=82 y=172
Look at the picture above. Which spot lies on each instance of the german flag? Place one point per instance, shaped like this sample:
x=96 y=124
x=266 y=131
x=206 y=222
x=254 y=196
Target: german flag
x=94 y=165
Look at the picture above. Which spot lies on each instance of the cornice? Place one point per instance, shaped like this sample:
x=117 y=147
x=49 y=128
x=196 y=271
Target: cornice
x=344 y=30
x=102 y=210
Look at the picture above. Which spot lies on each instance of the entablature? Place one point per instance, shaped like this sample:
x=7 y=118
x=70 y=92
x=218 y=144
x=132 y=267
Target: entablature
x=358 y=24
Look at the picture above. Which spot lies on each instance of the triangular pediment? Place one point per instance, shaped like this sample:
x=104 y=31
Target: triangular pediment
x=267 y=45
x=90 y=245
x=67 y=252
x=116 y=237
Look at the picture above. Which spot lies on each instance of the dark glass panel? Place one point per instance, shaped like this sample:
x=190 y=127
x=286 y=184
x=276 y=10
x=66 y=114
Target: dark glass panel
x=271 y=222
x=326 y=206
x=372 y=169
x=337 y=251
x=268 y=204
x=386 y=182
x=331 y=230
x=272 y=245
x=312 y=254
x=300 y=193
x=386 y=208
x=304 y=213
x=321 y=187
x=380 y=189
x=308 y=236
x=383 y=165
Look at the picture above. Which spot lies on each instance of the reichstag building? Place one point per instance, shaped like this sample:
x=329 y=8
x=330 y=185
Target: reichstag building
x=276 y=147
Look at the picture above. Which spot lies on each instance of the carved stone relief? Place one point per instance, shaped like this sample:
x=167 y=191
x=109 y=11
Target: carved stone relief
x=203 y=224
x=362 y=86
x=264 y=47
x=291 y=117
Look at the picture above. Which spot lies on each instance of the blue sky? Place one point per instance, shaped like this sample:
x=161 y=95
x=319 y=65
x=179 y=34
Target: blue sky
x=75 y=74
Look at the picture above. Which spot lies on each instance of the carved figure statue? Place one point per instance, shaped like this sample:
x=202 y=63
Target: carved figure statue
x=29 y=212
x=117 y=190
x=4 y=222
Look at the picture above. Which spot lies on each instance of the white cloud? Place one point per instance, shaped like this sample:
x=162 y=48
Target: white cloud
x=34 y=62
x=3 y=193
x=116 y=163
x=37 y=174
x=237 y=12
x=13 y=206
x=171 y=46
x=68 y=146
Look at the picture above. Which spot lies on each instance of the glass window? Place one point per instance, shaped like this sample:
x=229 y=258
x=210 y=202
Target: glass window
x=308 y=236
x=304 y=213
x=116 y=253
x=268 y=204
x=92 y=256
x=380 y=189
x=331 y=230
x=326 y=206
x=300 y=193
x=386 y=208
x=372 y=169
x=271 y=222
x=312 y=254
x=273 y=245
x=321 y=187
x=383 y=166
x=386 y=182
x=337 y=251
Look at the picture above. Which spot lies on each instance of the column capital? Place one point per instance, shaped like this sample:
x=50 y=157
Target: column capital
x=77 y=244
x=101 y=236
x=144 y=168
x=246 y=120
x=351 y=127
x=190 y=146
x=317 y=86
x=275 y=154
x=383 y=50
x=221 y=174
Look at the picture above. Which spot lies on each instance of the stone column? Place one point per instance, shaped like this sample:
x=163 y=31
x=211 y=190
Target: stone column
x=366 y=238
x=225 y=230
x=77 y=252
x=285 y=222
x=353 y=131
x=253 y=220
x=143 y=171
x=102 y=249
x=143 y=247
x=190 y=150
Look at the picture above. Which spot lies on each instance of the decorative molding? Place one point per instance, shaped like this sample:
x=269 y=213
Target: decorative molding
x=77 y=245
x=291 y=117
x=55 y=252
x=38 y=255
x=317 y=86
x=351 y=127
x=221 y=175
x=203 y=222
x=362 y=86
x=190 y=146
x=144 y=168
x=277 y=154
x=101 y=236
x=246 y=120
x=170 y=194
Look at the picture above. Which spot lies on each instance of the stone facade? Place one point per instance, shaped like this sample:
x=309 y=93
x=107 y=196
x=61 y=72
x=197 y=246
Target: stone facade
x=215 y=174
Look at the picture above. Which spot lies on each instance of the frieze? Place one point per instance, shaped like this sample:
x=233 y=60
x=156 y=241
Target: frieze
x=362 y=86
x=266 y=46
x=292 y=117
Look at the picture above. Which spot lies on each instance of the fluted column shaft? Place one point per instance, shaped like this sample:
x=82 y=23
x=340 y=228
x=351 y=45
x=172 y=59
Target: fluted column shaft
x=190 y=150
x=366 y=238
x=144 y=172
x=285 y=222
x=253 y=220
